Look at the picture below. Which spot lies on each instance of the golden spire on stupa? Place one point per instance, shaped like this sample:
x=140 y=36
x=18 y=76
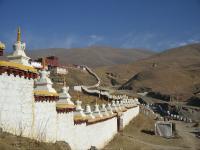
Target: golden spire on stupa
x=43 y=62
x=64 y=82
x=18 y=35
x=2 y=46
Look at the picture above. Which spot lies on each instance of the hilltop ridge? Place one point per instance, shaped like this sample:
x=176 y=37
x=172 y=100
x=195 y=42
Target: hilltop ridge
x=172 y=71
x=94 y=56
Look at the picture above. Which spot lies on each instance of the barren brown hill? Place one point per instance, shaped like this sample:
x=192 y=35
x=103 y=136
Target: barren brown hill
x=174 y=71
x=93 y=56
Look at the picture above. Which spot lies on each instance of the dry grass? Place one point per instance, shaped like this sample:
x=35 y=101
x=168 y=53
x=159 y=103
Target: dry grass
x=132 y=137
x=86 y=99
x=11 y=142
x=73 y=78
x=93 y=56
x=176 y=71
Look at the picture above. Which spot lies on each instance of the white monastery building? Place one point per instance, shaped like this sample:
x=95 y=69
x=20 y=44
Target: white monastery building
x=38 y=112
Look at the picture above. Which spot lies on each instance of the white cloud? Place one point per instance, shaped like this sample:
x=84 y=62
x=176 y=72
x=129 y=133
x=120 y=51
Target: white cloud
x=155 y=41
x=138 y=40
x=94 y=39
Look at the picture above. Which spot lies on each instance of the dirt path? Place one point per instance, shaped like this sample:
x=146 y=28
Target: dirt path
x=132 y=137
x=185 y=131
x=155 y=146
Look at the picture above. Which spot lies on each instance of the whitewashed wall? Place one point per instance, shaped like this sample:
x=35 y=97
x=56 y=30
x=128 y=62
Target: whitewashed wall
x=129 y=115
x=65 y=127
x=45 y=121
x=16 y=103
x=84 y=136
x=21 y=115
x=101 y=133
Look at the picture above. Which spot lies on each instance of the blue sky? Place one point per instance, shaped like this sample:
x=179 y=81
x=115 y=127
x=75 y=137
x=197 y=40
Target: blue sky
x=149 y=24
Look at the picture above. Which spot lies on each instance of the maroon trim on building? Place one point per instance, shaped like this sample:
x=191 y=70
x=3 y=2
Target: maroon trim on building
x=93 y=122
x=39 y=98
x=65 y=110
x=15 y=72
x=80 y=121
x=1 y=52
x=100 y=120
x=129 y=107
x=50 y=61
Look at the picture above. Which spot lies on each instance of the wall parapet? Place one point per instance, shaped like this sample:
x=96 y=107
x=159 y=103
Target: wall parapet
x=18 y=69
x=39 y=98
x=65 y=108
x=93 y=121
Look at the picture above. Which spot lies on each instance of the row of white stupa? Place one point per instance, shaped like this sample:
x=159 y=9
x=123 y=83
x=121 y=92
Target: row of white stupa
x=98 y=112
x=105 y=110
x=45 y=84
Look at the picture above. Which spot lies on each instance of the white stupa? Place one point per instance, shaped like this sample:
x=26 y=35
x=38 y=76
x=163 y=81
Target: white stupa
x=19 y=56
x=89 y=113
x=44 y=84
x=64 y=96
x=97 y=112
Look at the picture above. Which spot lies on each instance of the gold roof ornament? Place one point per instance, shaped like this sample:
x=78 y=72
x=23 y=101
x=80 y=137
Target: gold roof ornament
x=17 y=66
x=64 y=82
x=2 y=46
x=18 y=35
x=43 y=62
x=45 y=93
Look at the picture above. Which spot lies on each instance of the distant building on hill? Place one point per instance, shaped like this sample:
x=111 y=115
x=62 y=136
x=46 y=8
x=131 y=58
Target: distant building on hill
x=52 y=62
x=59 y=70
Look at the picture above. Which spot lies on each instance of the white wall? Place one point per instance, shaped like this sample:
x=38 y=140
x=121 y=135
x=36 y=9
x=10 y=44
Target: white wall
x=100 y=134
x=129 y=115
x=21 y=115
x=16 y=102
x=82 y=136
x=65 y=127
x=45 y=121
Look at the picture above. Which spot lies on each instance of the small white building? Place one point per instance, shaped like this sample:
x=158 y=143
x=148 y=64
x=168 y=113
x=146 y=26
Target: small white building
x=59 y=70
x=37 y=65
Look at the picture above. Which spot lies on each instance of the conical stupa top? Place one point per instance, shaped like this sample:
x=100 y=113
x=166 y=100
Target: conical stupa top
x=18 y=35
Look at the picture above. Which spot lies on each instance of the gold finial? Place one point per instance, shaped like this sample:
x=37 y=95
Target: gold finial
x=2 y=46
x=64 y=83
x=43 y=63
x=78 y=96
x=18 y=35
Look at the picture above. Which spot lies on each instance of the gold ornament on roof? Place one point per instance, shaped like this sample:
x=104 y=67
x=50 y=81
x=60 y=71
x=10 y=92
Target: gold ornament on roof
x=18 y=35
x=2 y=46
x=43 y=62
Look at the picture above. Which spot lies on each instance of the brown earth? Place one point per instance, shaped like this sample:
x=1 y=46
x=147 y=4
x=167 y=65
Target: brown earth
x=175 y=71
x=93 y=56
x=132 y=137
x=11 y=142
x=73 y=78
x=77 y=77
x=87 y=99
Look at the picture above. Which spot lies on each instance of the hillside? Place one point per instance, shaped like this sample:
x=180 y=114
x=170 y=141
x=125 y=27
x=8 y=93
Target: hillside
x=174 y=71
x=93 y=56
